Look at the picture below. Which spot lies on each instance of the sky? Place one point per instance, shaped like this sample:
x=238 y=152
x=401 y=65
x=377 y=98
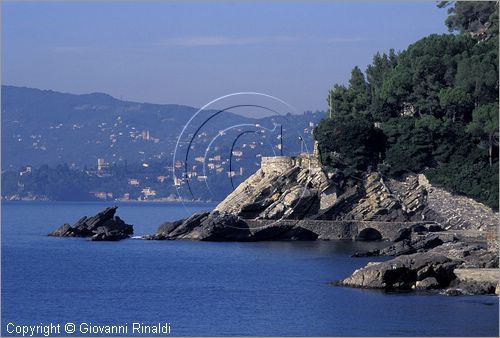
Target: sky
x=192 y=52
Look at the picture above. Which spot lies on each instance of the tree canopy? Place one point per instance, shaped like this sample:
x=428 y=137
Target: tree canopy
x=474 y=17
x=357 y=150
x=431 y=108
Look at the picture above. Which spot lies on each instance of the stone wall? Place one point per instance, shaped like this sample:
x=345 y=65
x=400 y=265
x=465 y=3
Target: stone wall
x=276 y=164
x=334 y=229
x=284 y=163
x=326 y=230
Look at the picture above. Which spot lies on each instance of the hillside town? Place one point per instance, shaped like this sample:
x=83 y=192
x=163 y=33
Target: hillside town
x=155 y=178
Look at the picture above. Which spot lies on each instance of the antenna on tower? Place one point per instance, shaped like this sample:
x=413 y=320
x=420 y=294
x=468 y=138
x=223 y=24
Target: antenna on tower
x=330 y=104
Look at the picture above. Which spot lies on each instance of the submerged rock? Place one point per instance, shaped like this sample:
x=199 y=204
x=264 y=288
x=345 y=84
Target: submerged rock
x=104 y=226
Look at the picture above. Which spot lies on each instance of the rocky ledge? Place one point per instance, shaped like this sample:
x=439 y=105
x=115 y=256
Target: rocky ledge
x=405 y=273
x=217 y=226
x=428 y=262
x=104 y=226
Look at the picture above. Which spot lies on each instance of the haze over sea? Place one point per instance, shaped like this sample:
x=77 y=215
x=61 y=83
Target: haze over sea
x=207 y=288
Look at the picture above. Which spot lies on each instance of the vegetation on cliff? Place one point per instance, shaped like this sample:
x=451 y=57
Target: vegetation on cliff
x=431 y=108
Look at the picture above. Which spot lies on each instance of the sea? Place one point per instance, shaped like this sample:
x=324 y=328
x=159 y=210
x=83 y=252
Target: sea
x=75 y=287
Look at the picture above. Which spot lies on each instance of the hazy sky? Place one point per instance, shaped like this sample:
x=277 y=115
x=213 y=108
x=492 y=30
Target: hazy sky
x=190 y=53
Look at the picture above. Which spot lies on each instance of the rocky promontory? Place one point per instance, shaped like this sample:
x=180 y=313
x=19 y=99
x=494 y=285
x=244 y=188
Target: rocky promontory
x=294 y=198
x=104 y=226
x=428 y=235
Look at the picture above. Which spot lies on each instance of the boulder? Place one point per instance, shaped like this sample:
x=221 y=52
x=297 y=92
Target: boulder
x=419 y=228
x=298 y=188
x=224 y=227
x=407 y=246
x=435 y=228
x=472 y=255
x=104 y=226
x=403 y=247
x=462 y=268
x=403 y=272
x=427 y=284
x=185 y=227
x=370 y=253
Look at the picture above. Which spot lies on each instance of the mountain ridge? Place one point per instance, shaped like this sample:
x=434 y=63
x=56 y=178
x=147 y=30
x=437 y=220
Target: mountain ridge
x=43 y=126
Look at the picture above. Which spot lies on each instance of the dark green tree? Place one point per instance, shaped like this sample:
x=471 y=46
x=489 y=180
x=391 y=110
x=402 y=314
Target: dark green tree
x=425 y=68
x=456 y=103
x=478 y=18
x=350 y=144
x=376 y=73
x=354 y=99
x=436 y=103
x=484 y=125
x=358 y=91
x=477 y=72
x=409 y=146
x=339 y=102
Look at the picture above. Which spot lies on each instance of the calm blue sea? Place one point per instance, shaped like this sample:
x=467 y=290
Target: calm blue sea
x=206 y=289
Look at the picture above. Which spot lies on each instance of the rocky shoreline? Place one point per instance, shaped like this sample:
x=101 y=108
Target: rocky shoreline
x=429 y=263
x=296 y=199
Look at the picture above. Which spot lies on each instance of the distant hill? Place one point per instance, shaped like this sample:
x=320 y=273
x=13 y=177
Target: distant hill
x=61 y=137
x=49 y=127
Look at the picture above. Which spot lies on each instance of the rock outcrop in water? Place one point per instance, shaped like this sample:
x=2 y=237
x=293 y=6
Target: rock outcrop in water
x=295 y=199
x=430 y=261
x=104 y=226
x=227 y=227
x=425 y=270
x=286 y=189
x=431 y=269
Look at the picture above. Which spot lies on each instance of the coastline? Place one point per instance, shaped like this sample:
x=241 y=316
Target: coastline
x=297 y=199
x=152 y=201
